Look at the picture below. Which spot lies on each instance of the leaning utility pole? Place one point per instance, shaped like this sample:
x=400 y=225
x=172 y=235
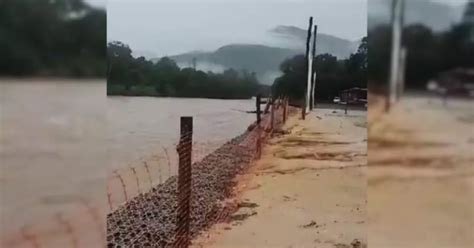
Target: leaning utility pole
x=312 y=101
x=308 y=69
x=397 y=12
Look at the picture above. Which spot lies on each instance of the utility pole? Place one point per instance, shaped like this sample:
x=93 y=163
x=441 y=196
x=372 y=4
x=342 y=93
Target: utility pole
x=401 y=73
x=308 y=68
x=312 y=101
x=397 y=28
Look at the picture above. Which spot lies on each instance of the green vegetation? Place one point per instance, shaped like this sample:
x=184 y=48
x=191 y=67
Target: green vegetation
x=428 y=52
x=52 y=38
x=332 y=75
x=138 y=76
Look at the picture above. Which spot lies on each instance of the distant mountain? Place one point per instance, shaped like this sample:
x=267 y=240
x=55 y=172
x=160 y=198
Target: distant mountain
x=435 y=15
x=262 y=59
x=326 y=43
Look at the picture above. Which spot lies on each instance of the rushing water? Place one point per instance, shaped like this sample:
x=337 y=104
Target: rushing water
x=140 y=126
x=61 y=138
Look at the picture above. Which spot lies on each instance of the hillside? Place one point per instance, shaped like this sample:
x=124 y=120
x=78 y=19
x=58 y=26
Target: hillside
x=336 y=46
x=262 y=59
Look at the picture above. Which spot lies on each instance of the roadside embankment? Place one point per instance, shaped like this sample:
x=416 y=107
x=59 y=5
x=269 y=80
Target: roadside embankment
x=307 y=190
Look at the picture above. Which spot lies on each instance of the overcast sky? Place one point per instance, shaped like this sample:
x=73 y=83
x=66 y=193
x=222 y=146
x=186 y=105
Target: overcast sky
x=165 y=27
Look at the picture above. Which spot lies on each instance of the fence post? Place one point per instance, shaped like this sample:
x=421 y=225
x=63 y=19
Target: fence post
x=258 y=102
x=272 y=114
x=184 y=149
x=267 y=106
x=258 y=142
x=284 y=109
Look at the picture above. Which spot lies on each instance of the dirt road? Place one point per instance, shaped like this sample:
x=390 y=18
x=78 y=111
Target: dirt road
x=421 y=177
x=307 y=190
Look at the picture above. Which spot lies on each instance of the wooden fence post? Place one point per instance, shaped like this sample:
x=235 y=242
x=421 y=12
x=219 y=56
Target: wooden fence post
x=182 y=239
x=272 y=114
x=267 y=106
x=258 y=102
x=258 y=142
x=285 y=100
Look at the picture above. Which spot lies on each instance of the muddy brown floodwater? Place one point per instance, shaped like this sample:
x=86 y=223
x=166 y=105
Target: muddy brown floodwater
x=421 y=178
x=60 y=140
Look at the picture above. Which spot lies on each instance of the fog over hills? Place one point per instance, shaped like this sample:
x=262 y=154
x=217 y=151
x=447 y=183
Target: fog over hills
x=223 y=30
x=264 y=59
x=336 y=46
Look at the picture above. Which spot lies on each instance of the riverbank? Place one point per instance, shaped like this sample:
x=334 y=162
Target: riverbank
x=150 y=218
x=307 y=190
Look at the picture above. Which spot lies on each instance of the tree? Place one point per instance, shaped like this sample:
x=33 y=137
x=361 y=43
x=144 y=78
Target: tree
x=357 y=66
x=293 y=81
x=42 y=37
x=333 y=75
x=429 y=53
x=139 y=76
x=120 y=60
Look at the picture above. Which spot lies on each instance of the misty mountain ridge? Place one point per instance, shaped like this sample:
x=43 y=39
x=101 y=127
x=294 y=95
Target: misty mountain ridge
x=261 y=59
x=264 y=60
x=326 y=43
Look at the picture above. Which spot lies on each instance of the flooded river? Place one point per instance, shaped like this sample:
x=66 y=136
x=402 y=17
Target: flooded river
x=60 y=139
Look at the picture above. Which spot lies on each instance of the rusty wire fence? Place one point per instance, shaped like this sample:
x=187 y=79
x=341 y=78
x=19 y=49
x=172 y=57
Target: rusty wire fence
x=165 y=200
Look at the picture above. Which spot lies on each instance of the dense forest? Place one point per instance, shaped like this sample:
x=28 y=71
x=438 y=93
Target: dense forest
x=428 y=52
x=52 y=38
x=138 y=76
x=333 y=74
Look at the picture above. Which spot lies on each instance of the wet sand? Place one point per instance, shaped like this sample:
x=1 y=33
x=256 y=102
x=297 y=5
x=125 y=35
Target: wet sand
x=307 y=190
